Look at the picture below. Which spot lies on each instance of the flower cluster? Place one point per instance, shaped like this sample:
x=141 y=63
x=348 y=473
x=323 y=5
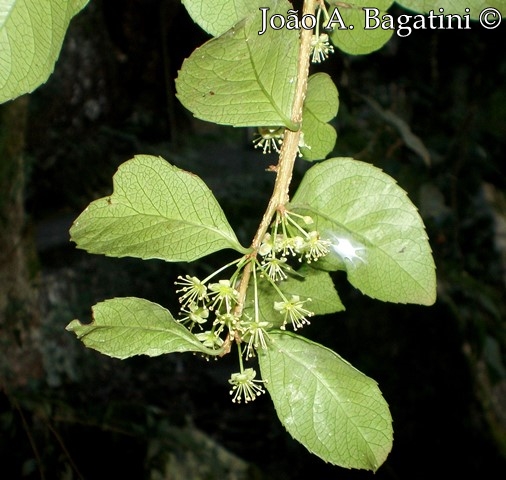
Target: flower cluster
x=201 y=298
x=289 y=239
x=216 y=303
x=198 y=298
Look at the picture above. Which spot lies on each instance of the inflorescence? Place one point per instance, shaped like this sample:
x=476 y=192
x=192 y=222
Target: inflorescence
x=212 y=306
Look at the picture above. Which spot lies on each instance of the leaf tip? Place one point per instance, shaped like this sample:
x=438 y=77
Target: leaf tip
x=73 y=325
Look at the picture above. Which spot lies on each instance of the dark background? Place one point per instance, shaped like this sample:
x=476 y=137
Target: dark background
x=440 y=368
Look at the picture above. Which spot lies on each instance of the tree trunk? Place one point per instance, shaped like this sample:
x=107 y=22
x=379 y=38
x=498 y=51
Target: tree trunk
x=19 y=358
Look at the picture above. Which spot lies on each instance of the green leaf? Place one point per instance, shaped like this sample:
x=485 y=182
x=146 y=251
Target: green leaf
x=31 y=36
x=355 y=39
x=155 y=211
x=242 y=78
x=309 y=283
x=320 y=106
x=326 y=404
x=217 y=16
x=124 y=327
x=376 y=232
x=454 y=6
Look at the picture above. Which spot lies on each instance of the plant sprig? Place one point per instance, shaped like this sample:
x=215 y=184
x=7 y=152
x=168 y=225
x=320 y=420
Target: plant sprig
x=345 y=215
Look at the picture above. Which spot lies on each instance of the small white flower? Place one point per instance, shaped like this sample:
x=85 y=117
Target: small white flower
x=210 y=339
x=222 y=292
x=193 y=290
x=269 y=139
x=292 y=245
x=267 y=246
x=245 y=387
x=195 y=314
x=320 y=48
x=226 y=320
x=275 y=268
x=316 y=247
x=294 y=311
x=256 y=335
